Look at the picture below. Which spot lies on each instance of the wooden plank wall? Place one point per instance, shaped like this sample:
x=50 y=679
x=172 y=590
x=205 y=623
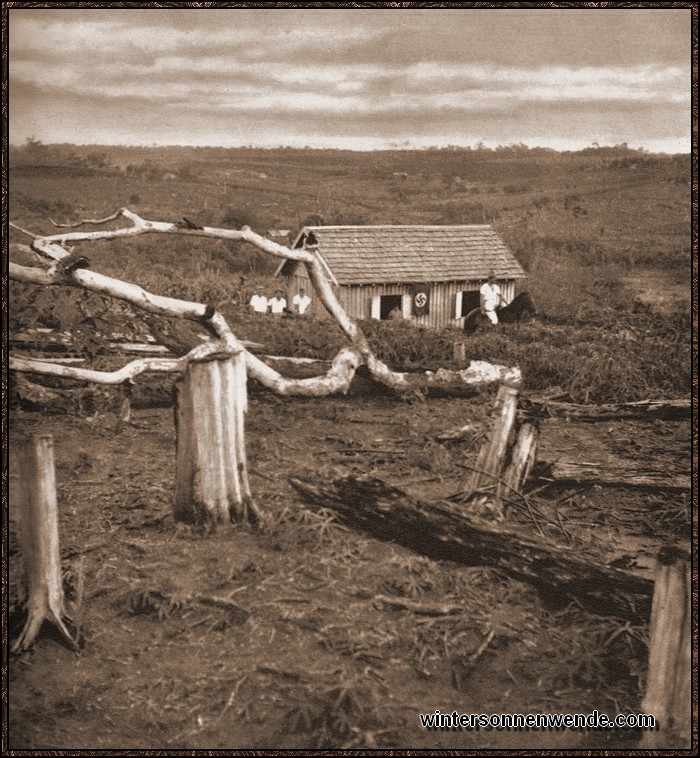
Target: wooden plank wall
x=357 y=299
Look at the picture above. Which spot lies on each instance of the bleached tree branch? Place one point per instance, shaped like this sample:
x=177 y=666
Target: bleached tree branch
x=336 y=380
x=124 y=374
x=50 y=247
x=69 y=268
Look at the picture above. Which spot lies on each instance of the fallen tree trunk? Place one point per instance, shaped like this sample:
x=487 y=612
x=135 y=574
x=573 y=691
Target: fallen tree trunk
x=650 y=409
x=612 y=475
x=441 y=532
x=39 y=396
x=46 y=341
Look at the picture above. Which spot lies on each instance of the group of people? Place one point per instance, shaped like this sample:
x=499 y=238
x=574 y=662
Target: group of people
x=277 y=305
x=490 y=299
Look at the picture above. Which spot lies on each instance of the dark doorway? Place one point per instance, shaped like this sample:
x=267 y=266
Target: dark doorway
x=470 y=299
x=387 y=303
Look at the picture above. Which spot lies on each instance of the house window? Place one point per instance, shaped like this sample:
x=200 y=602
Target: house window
x=383 y=305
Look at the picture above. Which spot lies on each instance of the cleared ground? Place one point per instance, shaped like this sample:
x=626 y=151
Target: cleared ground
x=312 y=655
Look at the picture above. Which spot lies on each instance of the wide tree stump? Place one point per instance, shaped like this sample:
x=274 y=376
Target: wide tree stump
x=211 y=485
x=442 y=532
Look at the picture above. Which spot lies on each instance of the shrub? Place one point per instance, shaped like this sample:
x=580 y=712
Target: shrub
x=402 y=345
x=633 y=359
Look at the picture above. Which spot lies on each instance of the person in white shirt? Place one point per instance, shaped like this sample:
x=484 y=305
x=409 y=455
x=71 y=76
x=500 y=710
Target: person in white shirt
x=278 y=304
x=258 y=303
x=490 y=298
x=301 y=302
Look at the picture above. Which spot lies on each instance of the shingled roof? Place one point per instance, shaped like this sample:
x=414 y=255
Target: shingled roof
x=404 y=254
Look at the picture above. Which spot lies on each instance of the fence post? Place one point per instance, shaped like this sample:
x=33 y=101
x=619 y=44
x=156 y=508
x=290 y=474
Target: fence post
x=211 y=484
x=668 y=693
x=459 y=352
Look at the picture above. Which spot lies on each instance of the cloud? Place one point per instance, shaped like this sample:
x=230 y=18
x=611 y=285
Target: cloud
x=522 y=37
x=366 y=74
x=218 y=82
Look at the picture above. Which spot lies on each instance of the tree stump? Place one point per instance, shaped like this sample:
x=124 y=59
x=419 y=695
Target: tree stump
x=668 y=694
x=211 y=484
x=523 y=457
x=485 y=484
x=38 y=536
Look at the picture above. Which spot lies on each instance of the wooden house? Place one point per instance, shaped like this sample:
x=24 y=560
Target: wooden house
x=431 y=273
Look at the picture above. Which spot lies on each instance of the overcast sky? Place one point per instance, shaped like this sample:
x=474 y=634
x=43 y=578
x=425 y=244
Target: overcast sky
x=356 y=79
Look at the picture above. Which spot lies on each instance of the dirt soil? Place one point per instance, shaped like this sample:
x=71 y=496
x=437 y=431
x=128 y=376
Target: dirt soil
x=308 y=653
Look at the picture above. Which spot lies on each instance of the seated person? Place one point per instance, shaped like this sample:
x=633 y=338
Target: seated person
x=258 y=303
x=301 y=302
x=278 y=303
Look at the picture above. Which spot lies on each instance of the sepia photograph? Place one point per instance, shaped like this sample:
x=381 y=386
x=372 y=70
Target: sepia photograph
x=350 y=377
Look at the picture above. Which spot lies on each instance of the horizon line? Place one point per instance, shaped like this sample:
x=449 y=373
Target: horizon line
x=389 y=148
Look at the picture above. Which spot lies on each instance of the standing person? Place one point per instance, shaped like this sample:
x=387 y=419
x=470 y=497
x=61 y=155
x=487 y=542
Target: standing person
x=239 y=295
x=301 y=302
x=278 y=304
x=490 y=297
x=258 y=303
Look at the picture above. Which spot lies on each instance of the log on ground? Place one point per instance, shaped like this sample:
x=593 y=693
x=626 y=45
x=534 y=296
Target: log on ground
x=612 y=475
x=442 y=532
x=643 y=409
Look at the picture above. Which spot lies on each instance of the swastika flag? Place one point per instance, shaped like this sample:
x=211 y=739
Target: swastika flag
x=421 y=299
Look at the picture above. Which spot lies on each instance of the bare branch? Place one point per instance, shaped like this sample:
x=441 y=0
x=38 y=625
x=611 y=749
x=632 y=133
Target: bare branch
x=132 y=293
x=477 y=375
x=31 y=274
x=124 y=374
x=114 y=216
x=337 y=379
x=144 y=226
x=24 y=231
x=46 y=245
